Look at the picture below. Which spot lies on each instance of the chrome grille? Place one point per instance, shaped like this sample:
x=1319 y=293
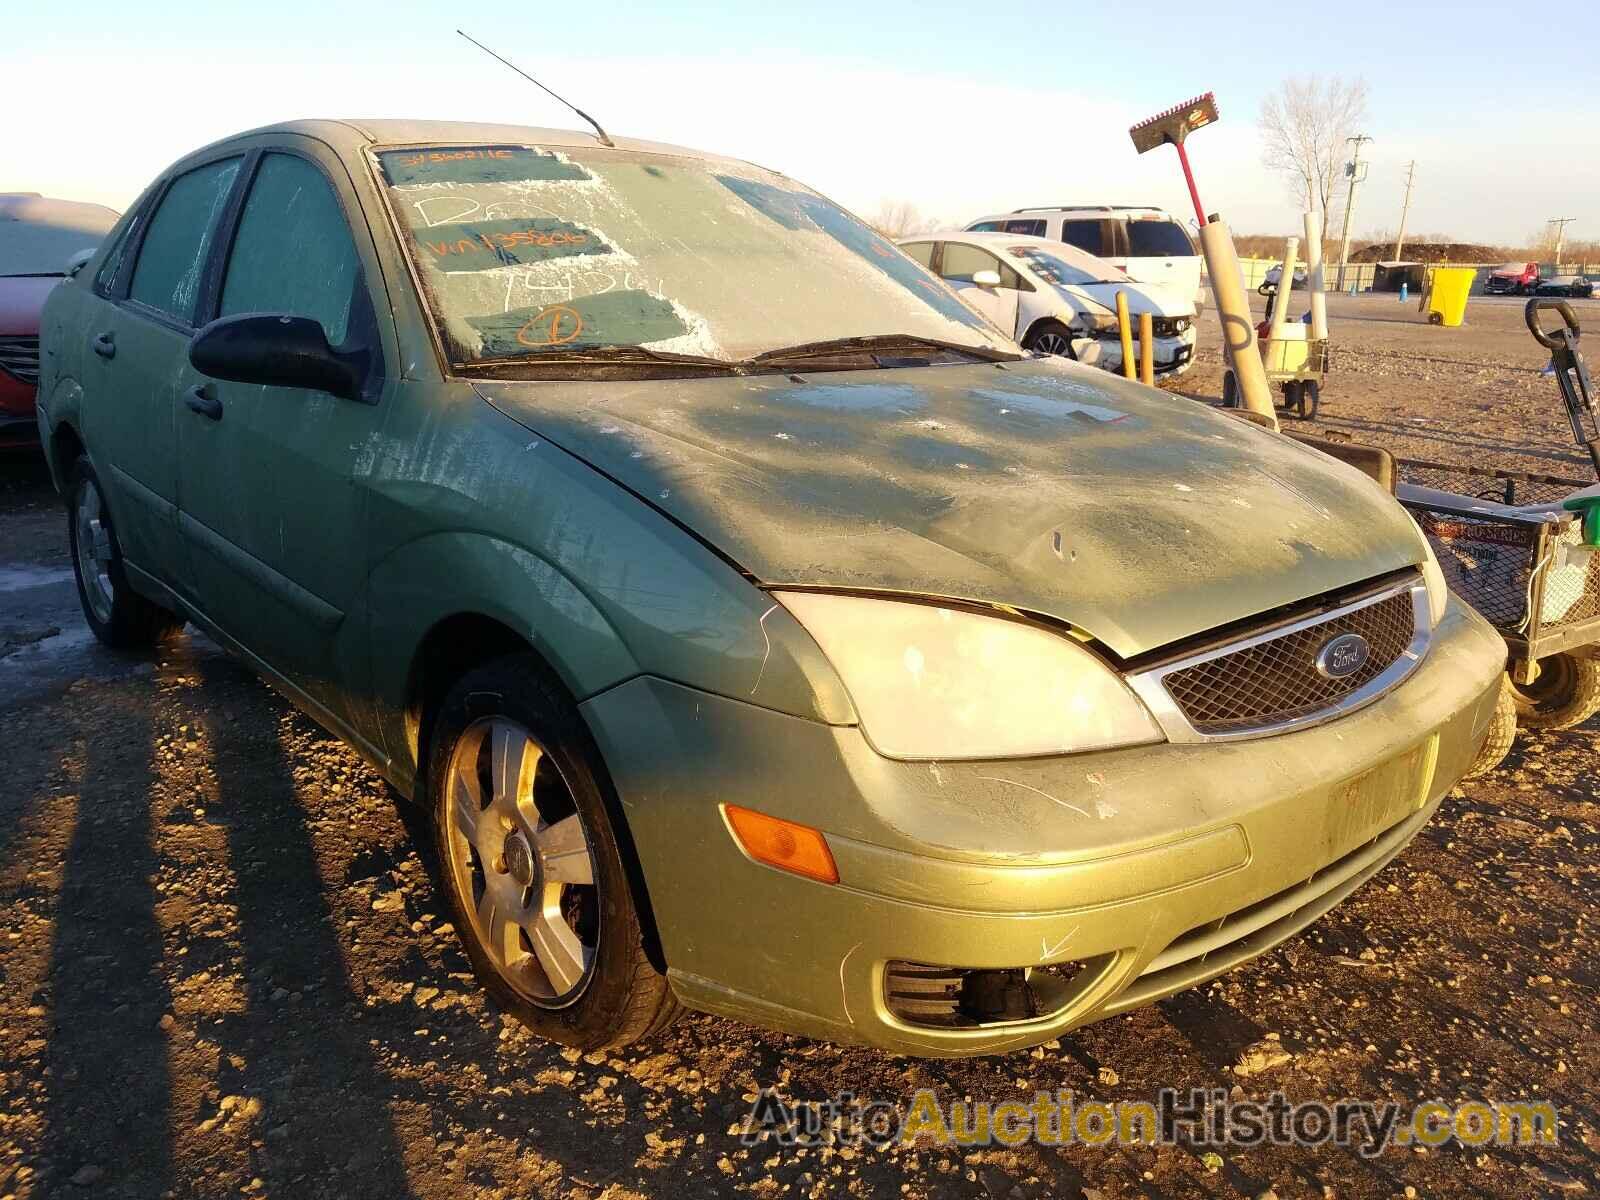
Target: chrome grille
x=1270 y=682
x=19 y=357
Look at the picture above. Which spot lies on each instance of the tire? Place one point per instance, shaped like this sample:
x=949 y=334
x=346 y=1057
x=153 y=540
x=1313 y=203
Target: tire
x=1436 y=318
x=1050 y=337
x=117 y=615
x=1502 y=732
x=1230 y=390
x=535 y=854
x=1310 y=399
x=1291 y=398
x=1565 y=693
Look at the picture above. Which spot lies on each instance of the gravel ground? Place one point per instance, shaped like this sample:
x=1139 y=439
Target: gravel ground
x=224 y=968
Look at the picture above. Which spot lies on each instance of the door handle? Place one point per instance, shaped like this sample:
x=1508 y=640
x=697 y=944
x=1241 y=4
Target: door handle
x=200 y=400
x=105 y=345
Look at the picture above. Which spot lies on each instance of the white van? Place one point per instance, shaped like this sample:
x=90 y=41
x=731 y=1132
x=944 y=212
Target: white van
x=1148 y=244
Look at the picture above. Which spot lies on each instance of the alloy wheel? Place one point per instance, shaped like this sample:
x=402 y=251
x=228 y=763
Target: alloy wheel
x=94 y=549
x=521 y=861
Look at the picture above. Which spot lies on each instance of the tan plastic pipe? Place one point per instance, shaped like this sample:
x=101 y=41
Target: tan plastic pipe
x=1314 y=280
x=1126 y=335
x=1233 y=310
x=1147 y=350
x=1281 y=298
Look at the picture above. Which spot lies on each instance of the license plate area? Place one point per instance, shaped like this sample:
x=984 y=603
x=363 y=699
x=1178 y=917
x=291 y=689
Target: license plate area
x=1362 y=807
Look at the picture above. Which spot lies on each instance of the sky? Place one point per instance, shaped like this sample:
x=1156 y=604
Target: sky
x=959 y=109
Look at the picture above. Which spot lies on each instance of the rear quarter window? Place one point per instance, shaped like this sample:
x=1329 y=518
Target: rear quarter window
x=1158 y=239
x=1085 y=235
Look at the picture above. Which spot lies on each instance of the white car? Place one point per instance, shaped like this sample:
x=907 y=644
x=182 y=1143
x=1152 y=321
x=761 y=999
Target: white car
x=1055 y=299
x=1148 y=243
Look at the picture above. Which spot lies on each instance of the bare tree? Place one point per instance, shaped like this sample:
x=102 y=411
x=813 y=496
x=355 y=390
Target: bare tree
x=1304 y=125
x=897 y=219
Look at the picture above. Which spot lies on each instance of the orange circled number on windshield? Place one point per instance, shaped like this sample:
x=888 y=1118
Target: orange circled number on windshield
x=551 y=326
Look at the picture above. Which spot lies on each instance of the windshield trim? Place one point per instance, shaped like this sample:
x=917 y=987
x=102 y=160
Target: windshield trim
x=993 y=344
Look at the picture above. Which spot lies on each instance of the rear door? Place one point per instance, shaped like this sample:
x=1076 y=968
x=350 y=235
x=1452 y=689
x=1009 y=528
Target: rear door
x=137 y=329
x=272 y=506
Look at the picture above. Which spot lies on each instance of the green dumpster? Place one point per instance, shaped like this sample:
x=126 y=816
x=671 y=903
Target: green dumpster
x=1448 y=302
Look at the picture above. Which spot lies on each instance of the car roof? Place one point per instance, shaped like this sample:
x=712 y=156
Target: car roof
x=351 y=135
x=1121 y=210
x=999 y=241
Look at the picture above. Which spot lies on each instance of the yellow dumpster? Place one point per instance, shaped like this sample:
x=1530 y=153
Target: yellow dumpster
x=1447 y=303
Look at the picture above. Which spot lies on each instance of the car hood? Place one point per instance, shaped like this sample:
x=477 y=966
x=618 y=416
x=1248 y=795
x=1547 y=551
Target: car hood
x=22 y=298
x=1138 y=517
x=1100 y=299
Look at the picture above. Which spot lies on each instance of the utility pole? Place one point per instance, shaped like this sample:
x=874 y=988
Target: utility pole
x=1355 y=169
x=1400 y=238
x=1561 y=224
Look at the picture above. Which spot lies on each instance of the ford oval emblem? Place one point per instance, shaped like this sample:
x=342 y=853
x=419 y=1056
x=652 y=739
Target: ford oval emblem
x=1343 y=656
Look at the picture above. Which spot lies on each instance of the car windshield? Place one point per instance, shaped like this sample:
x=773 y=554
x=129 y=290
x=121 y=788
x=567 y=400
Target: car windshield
x=40 y=236
x=1511 y=268
x=1066 y=269
x=1155 y=238
x=526 y=252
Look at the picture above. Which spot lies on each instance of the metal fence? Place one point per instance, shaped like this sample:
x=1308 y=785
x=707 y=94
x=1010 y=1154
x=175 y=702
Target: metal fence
x=1364 y=275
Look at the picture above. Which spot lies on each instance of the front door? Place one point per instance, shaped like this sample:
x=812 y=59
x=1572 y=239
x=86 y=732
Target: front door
x=138 y=333
x=271 y=498
x=960 y=266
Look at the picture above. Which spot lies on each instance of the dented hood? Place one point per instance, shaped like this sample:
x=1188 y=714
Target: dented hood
x=1137 y=516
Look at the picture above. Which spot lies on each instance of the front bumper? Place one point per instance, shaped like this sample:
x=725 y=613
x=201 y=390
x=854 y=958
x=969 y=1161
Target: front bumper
x=1159 y=866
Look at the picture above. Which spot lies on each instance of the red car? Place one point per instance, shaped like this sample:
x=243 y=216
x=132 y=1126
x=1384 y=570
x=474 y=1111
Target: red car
x=39 y=237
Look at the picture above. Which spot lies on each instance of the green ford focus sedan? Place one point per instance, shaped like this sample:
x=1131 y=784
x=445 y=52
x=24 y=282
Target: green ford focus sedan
x=763 y=632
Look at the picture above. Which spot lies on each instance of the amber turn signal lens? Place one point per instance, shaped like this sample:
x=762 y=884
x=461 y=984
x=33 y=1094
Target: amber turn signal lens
x=783 y=844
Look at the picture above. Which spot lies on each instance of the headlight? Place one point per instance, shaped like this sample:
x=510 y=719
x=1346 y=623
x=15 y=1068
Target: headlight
x=933 y=682
x=1438 y=589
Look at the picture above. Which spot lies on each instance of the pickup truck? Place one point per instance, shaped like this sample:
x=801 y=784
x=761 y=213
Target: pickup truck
x=1512 y=279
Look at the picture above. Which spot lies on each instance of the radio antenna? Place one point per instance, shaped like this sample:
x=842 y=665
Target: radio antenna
x=605 y=139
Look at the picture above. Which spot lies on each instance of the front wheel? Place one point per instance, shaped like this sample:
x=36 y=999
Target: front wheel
x=532 y=864
x=1050 y=337
x=117 y=615
x=1502 y=732
x=1566 y=692
x=1310 y=399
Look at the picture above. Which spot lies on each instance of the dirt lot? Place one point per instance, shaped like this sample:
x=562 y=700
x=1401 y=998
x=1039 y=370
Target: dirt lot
x=224 y=968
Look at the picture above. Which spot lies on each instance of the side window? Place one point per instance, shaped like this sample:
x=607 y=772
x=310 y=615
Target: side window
x=106 y=277
x=1085 y=235
x=1033 y=228
x=921 y=251
x=962 y=262
x=173 y=255
x=293 y=252
x=984 y=227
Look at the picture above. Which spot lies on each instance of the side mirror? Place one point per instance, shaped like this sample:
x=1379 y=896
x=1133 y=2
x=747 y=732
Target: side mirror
x=278 y=350
x=78 y=261
x=986 y=279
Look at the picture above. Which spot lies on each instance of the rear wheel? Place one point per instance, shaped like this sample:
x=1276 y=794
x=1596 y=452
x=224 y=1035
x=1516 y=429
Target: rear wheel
x=1502 y=732
x=1566 y=692
x=1310 y=398
x=1050 y=337
x=119 y=616
x=1291 y=398
x=532 y=865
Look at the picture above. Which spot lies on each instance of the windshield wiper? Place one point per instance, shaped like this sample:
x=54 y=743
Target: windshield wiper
x=890 y=343
x=629 y=356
